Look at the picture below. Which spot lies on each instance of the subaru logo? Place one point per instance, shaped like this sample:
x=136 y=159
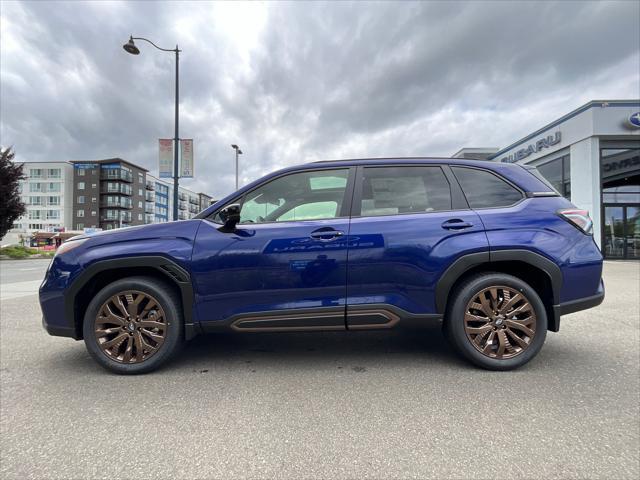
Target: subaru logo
x=634 y=120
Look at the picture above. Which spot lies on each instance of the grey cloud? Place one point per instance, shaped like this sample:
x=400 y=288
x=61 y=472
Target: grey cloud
x=323 y=80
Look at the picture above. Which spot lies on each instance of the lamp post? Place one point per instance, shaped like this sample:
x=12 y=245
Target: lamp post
x=238 y=152
x=133 y=49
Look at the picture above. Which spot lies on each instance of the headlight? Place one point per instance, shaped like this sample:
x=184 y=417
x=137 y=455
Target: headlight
x=70 y=245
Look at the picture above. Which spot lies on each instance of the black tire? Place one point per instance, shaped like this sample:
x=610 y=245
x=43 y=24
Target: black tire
x=169 y=304
x=456 y=334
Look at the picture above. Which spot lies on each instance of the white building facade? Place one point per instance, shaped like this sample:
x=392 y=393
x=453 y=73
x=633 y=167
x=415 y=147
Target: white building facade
x=47 y=193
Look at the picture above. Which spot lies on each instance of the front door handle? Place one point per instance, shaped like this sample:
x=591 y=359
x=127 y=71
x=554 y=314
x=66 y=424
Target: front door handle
x=326 y=234
x=456 y=224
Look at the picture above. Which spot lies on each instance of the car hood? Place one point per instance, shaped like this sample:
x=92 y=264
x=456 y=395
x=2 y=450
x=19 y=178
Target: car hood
x=185 y=229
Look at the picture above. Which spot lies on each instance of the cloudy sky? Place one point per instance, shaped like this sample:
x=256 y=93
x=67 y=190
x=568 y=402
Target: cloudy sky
x=296 y=82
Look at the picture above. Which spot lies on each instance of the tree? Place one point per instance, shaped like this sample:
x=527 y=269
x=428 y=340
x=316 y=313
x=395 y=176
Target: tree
x=11 y=207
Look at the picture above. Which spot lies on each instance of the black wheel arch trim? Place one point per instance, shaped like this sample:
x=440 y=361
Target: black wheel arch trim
x=173 y=272
x=471 y=260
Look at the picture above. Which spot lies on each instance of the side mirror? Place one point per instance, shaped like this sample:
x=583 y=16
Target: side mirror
x=230 y=215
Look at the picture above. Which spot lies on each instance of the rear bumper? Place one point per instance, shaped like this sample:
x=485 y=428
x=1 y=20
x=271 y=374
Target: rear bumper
x=575 y=306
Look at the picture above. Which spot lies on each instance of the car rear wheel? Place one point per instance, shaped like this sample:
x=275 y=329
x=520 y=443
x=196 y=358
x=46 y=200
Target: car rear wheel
x=496 y=321
x=133 y=325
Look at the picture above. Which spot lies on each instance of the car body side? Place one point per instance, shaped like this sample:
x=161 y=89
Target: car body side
x=402 y=263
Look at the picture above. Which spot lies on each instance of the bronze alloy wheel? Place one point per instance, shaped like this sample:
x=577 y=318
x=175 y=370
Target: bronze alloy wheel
x=500 y=322
x=130 y=327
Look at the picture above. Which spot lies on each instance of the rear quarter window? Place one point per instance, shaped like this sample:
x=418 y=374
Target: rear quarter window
x=484 y=189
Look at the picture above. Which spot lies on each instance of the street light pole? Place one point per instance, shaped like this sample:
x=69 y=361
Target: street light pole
x=132 y=48
x=176 y=140
x=238 y=152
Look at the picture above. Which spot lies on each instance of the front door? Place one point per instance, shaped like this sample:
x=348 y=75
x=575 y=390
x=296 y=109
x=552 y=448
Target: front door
x=409 y=224
x=284 y=267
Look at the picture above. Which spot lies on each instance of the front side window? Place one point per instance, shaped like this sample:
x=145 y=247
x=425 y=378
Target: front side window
x=296 y=197
x=397 y=190
x=483 y=189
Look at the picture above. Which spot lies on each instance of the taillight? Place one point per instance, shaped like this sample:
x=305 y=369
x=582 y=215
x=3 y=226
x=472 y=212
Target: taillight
x=578 y=218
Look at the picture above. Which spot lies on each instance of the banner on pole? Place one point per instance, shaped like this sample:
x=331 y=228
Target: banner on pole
x=186 y=170
x=165 y=169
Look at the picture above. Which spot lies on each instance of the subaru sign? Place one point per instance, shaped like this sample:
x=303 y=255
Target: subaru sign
x=545 y=142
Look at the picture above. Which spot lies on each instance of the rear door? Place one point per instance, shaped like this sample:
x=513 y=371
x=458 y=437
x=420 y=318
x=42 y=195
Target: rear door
x=409 y=223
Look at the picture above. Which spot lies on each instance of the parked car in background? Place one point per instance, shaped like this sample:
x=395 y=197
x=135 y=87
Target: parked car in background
x=489 y=249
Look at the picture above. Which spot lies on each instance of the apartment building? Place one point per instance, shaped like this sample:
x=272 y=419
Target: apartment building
x=160 y=200
x=106 y=194
x=46 y=193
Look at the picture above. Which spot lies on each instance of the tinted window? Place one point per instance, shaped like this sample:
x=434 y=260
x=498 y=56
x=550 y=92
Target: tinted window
x=295 y=197
x=484 y=189
x=394 y=190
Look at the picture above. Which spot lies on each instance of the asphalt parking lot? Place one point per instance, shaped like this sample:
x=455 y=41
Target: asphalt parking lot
x=334 y=405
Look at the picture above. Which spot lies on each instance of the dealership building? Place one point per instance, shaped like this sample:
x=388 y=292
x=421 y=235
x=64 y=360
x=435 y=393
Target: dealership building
x=591 y=156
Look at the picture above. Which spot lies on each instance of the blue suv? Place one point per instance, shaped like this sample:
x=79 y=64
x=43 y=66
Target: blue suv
x=489 y=249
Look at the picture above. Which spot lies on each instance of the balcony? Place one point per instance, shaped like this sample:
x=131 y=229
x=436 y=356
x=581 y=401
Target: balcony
x=182 y=205
x=116 y=220
x=150 y=197
x=194 y=209
x=121 y=188
x=182 y=196
x=149 y=207
x=150 y=185
x=116 y=174
x=149 y=218
x=193 y=200
x=183 y=216
x=117 y=202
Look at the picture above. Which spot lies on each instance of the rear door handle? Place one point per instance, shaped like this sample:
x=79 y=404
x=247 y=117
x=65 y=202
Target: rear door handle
x=456 y=224
x=326 y=234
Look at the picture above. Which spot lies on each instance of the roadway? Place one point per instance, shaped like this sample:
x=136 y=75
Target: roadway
x=333 y=405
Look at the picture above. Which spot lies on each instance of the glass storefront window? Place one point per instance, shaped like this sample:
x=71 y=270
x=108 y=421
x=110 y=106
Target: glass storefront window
x=621 y=202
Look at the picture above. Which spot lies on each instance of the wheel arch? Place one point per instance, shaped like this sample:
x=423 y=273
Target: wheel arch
x=101 y=273
x=542 y=274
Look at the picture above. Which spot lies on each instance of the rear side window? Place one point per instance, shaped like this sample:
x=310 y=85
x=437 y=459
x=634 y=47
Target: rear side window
x=483 y=189
x=395 y=190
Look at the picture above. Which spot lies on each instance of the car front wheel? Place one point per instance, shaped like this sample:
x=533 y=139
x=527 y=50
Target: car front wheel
x=497 y=321
x=133 y=325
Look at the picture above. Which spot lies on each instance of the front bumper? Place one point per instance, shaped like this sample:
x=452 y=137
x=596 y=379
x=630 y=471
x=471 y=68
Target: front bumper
x=58 y=331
